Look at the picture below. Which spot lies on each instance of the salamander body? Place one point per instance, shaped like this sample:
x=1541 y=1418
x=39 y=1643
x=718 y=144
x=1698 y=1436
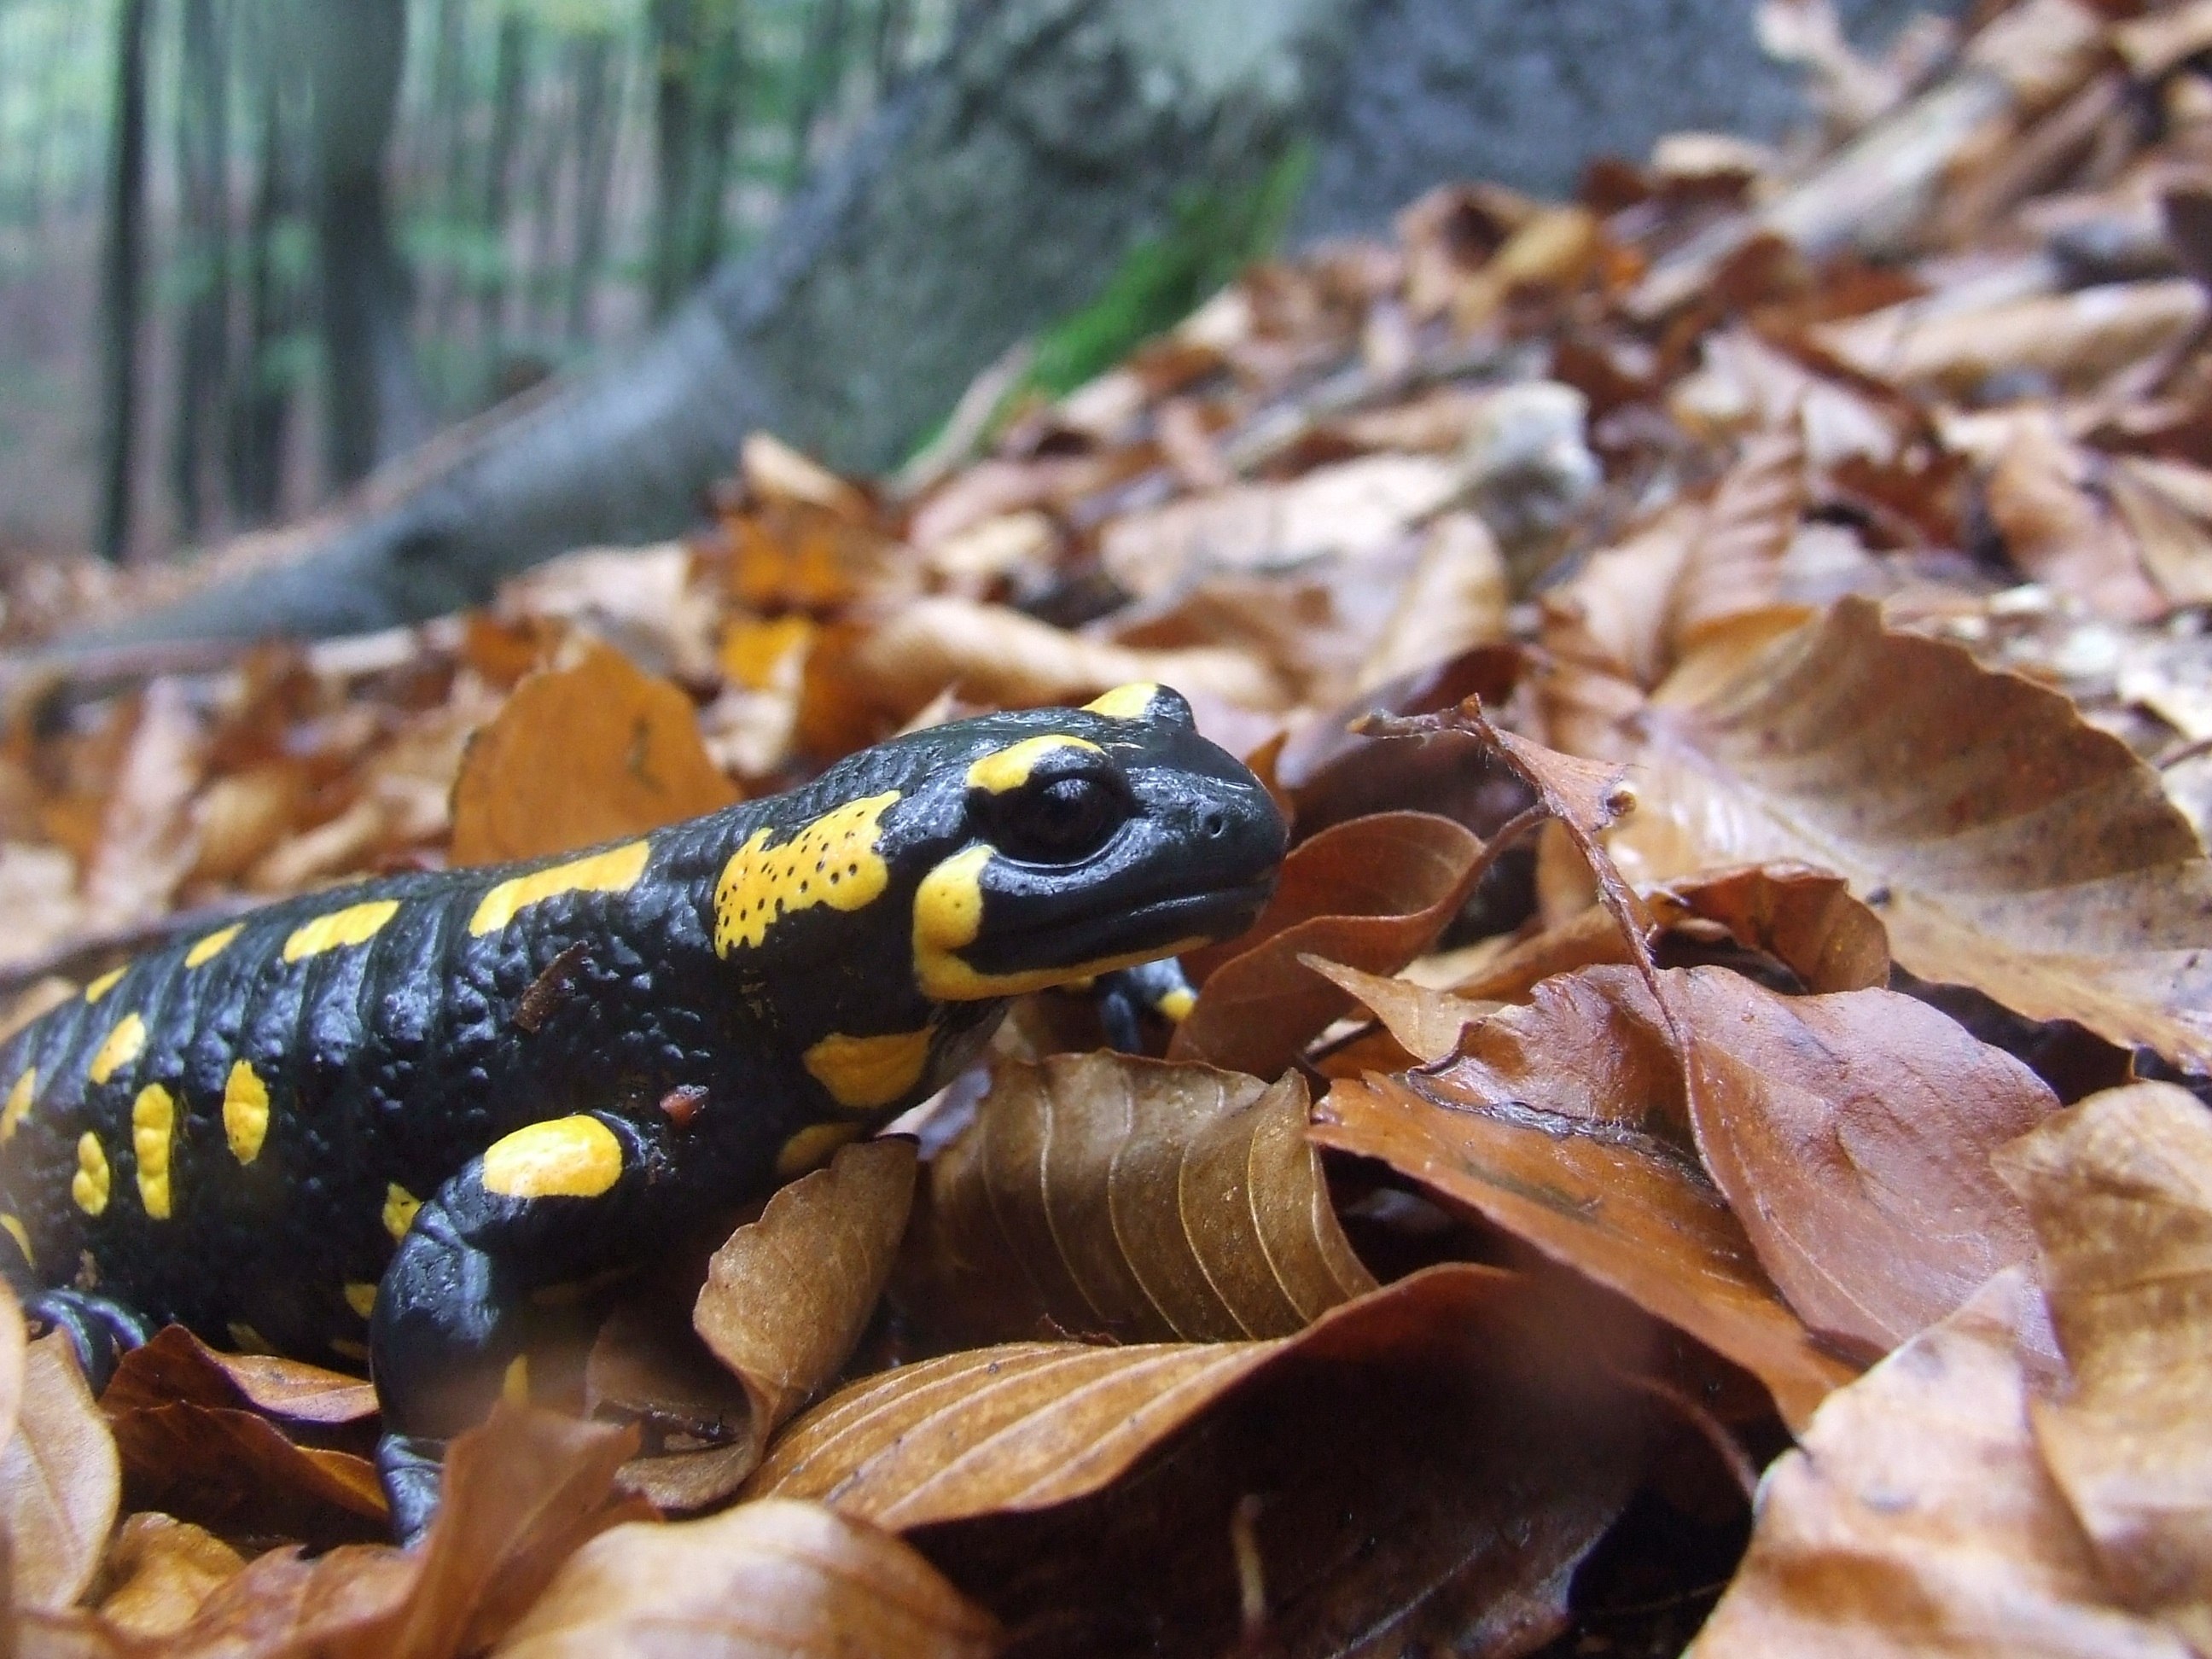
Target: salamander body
x=374 y=1124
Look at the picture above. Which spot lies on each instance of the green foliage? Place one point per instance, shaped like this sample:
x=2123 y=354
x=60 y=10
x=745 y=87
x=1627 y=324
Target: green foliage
x=1213 y=233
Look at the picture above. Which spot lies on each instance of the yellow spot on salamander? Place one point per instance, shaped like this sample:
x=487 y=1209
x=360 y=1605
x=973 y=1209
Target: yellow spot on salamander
x=832 y=861
x=1125 y=702
x=152 y=1138
x=118 y=1048
x=101 y=987
x=22 y=1237
x=89 y=1185
x=245 y=1111
x=515 y=1381
x=616 y=871
x=361 y=1298
x=1008 y=768
x=812 y=1147
x=948 y=918
x=18 y=1102
x=867 y=1072
x=356 y=924
x=565 y=1158
x=207 y=949
x=1177 y=1004
x=399 y=1208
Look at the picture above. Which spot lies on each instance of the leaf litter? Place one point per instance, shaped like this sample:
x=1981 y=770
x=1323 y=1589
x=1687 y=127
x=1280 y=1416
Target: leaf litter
x=1734 y=649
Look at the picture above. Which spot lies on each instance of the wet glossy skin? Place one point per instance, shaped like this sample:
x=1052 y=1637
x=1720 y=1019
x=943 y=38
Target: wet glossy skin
x=373 y=1123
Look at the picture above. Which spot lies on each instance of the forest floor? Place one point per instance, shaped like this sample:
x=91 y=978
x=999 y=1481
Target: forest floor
x=1707 y=1145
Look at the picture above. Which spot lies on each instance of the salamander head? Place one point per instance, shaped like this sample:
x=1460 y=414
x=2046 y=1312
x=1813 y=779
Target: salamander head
x=1025 y=849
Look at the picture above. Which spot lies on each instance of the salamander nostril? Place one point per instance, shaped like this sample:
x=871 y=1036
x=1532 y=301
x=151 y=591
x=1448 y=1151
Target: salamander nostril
x=1214 y=825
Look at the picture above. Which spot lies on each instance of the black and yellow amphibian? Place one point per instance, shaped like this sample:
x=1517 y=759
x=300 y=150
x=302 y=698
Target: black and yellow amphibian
x=379 y=1123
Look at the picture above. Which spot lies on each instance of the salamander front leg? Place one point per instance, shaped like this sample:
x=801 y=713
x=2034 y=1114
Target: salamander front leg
x=549 y=1204
x=101 y=1330
x=1126 y=995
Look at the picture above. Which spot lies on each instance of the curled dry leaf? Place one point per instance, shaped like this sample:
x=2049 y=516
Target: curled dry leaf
x=1456 y=1414
x=770 y=1578
x=145 y=846
x=160 y=1571
x=60 y=1482
x=1104 y=1196
x=2010 y=845
x=1454 y=601
x=177 y=1367
x=2120 y=1190
x=785 y=1299
x=581 y=754
x=2061 y=531
x=1582 y=1181
x=13 y=1341
x=1917 y=1519
x=1806 y=919
x=1373 y=893
x=235 y=1470
x=1426 y=1024
x=1734 y=562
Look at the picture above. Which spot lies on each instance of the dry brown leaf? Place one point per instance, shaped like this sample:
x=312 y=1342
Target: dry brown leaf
x=785 y=1299
x=2076 y=339
x=1734 y=562
x=1373 y=893
x=1426 y=1024
x=2061 y=531
x=997 y=654
x=60 y=1482
x=1573 y=1169
x=1917 y=1519
x=176 y=1367
x=1852 y=1134
x=13 y=1341
x=1465 y=1416
x=161 y=1570
x=1454 y=601
x=770 y=1578
x=2006 y=844
x=2120 y=1190
x=145 y=846
x=578 y=756
x=1115 y=1198
x=236 y=1470
x=774 y=469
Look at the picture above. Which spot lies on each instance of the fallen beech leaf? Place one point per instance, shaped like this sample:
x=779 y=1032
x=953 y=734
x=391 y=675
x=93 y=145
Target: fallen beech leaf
x=1806 y=919
x=785 y=1299
x=1852 y=1134
x=997 y=654
x=1105 y=1196
x=1460 y=1414
x=175 y=1367
x=2060 y=531
x=161 y=1571
x=60 y=1483
x=770 y=1578
x=1734 y=562
x=1373 y=893
x=578 y=756
x=1453 y=601
x=236 y=1471
x=2075 y=338
x=145 y=846
x=1426 y=1024
x=774 y=469
x=2120 y=1190
x=13 y=1341
x=1581 y=1181
x=2011 y=846
x=1917 y=1519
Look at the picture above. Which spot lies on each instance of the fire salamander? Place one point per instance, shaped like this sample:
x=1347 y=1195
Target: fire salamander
x=383 y=1123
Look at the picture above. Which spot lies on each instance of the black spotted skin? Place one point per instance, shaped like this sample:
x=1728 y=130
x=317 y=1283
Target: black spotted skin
x=708 y=992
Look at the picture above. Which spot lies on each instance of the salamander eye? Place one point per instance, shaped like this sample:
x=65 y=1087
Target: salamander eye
x=1059 y=822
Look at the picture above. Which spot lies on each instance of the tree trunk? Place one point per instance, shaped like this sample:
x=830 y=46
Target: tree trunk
x=373 y=408
x=202 y=156
x=893 y=24
x=261 y=408
x=992 y=195
x=722 y=104
x=445 y=149
x=675 y=72
x=598 y=120
x=510 y=75
x=817 y=75
x=120 y=269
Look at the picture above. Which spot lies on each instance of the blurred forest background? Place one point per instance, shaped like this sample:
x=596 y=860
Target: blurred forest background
x=236 y=207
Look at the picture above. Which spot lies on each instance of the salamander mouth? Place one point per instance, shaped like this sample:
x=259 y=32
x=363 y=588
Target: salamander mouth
x=1171 y=920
